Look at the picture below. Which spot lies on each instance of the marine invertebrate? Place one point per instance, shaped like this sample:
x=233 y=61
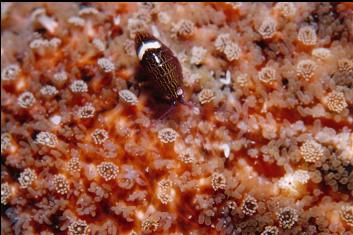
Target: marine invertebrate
x=227 y=47
x=78 y=227
x=86 y=111
x=270 y=230
x=26 y=99
x=218 y=181
x=267 y=29
x=60 y=76
x=249 y=205
x=27 y=177
x=345 y=65
x=73 y=165
x=347 y=214
x=183 y=29
x=307 y=35
x=198 y=54
x=336 y=101
x=234 y=163
x=5 y=193
x=108 y=170
x=106 y=65
x=61 y=185
x=5 y=142
x=165 y=191
x=306 y=69
x=206 y=96
x=161 y=67
x=128 y=97
x=47 y=139
x=78 y=86
x=311 y=151
x=149 y=225
x=242 y=80
x=287 y=9
x=10 y=72
x=49 y=90
x=267 y=75
x=167 y=135
x=287 y=217
x=232 y=51
x=99 y=136
x=222 y=41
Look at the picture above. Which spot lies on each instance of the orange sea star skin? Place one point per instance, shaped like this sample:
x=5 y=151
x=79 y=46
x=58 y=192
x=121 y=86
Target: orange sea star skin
x=265 y=149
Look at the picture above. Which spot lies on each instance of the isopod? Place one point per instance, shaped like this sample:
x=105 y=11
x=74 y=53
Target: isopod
x=160 y=67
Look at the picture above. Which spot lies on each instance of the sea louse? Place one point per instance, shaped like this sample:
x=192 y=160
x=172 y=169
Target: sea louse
x=160 y=68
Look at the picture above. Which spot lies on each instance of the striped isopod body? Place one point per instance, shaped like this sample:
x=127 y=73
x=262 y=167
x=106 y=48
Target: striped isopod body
x=160 y=66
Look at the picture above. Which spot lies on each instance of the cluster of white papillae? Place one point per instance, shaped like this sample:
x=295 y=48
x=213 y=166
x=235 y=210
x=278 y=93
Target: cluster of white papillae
x=5 y=142
x=78 y=86
x=165 y=191
x=61 y=184
x=249 y=205
x=149 y=225
x=287 y=9
x=78 y=227
x=47 y=139
x=311 y=151
x=128 y=97
x=60 y=76
x=267 y=75
x=206 y=96
x=345 y=66
x=287 y=217
x=306 y=69
x=218 y=181
x=27 y=177
x=198 y=54
x=108 y=170
x=106 y=65
x=347 y=214
x=26 y=99
x=49 y=90
x=307 y=35
x=336 y=101
x=74 y=165
x=10 y=72
x=167 y=135
x=99 y=136
x=86 y=111
x=225 y=45
x=267 y=29
x=270 y=230
x=5 y=193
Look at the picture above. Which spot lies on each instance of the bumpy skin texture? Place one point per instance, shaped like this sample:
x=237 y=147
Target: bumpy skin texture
x=160 y=67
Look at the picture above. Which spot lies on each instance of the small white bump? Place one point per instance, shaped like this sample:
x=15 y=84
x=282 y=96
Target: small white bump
x=147 y=46
x=180 y=91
